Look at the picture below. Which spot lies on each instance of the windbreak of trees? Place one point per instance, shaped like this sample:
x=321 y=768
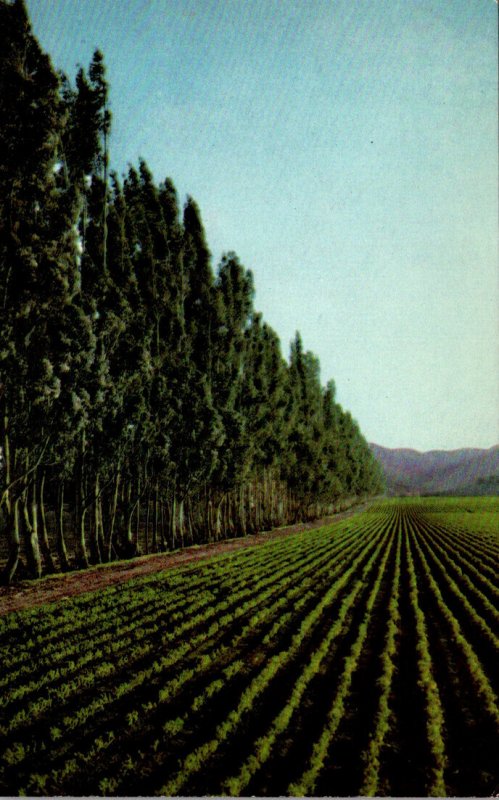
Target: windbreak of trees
x=144 y=403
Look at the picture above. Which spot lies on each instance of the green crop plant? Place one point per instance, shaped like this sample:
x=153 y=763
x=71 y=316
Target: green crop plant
x=475 y=669
x=164 y=653
x=470 y=609
x=435 y=718
x=195 y=760
x=384 y=714
x=306 y=783
x=14 y=754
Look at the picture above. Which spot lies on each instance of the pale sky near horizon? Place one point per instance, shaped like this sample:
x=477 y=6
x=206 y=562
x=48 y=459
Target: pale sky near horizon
x=347 y=151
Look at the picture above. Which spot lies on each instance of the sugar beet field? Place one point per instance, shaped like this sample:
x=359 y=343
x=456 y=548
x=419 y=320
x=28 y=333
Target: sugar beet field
x=359 y=658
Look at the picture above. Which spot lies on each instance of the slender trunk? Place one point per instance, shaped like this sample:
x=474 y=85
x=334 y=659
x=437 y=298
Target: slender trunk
x=155 y=520
x=188 y=523
x=112 y=517
x=225 y=526
x=12 y=509
x=148 y=521
x=14 y=540
x=263 y=521
x=80 y=508
x=163 y=545
x=228 y=526
x=165 y=525
x=101 y=538
x=60 y=542
x=95 y=552
x=129 y=528
x=173 y=523
x=252 y=500
x=30 y=516
x=80 y=517
x=208 y=517
x=130 y=532
x=241 y=511
x=180 y=509
x=138 y=509
x=218 y=521
x=44 y=537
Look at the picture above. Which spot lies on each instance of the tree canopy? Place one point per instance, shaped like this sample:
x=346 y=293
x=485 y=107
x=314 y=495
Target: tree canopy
x=144 y=402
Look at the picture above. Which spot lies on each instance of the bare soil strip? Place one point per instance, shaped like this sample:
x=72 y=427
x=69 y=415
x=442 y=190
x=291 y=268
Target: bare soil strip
x=28 y=594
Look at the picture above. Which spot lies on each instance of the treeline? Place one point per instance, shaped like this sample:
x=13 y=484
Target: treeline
x=144 y=403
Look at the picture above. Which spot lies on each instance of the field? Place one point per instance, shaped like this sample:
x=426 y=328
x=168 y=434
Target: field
x=358 y=658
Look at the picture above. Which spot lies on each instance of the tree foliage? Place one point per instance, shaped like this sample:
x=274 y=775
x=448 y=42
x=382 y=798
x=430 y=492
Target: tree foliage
x=144 y=402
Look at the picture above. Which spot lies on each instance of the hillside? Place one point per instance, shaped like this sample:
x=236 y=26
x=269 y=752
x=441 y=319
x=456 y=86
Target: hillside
x=468 y=471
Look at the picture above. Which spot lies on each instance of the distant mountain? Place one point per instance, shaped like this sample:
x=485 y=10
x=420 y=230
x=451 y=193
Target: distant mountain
x=468 y=471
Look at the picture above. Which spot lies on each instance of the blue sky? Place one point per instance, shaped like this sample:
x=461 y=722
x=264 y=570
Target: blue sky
x=347 y=151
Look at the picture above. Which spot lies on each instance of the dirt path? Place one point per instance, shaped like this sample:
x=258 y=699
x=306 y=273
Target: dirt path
x=28 y=594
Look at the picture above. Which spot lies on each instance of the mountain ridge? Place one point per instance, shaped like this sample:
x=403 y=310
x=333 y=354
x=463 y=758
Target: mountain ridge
x=466 y=470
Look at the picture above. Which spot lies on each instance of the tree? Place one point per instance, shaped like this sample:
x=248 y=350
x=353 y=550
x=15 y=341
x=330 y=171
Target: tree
x=38 y=277
x=131 y=376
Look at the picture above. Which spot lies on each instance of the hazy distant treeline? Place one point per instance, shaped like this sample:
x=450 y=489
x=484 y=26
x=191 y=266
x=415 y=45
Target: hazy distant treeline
x=142 y=397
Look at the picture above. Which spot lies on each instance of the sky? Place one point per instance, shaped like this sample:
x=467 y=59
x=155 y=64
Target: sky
x=346 y=150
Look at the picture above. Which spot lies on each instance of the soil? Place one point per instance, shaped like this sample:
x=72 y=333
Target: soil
x=29 y=594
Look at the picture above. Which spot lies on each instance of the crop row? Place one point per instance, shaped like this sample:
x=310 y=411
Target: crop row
x=466 y=597
x=197 y=614
x=164 y=603
x=194 y=762
x=433 y=708
x=476 y=671
x=195 y=681
x=38 y=627
x=463 y=558
x=258 y=596
x=384 y=715
x=306 y=784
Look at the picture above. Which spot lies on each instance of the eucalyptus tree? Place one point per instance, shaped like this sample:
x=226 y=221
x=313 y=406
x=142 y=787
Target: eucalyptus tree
x=263 y=401
x=41 y=319
x=198 y=303
x=333 y=449
x=232 y=308
x=129 y=373
x=129 y=357
x=304 y=465
x=157 y=248
x=84 y=157
x=196 y=429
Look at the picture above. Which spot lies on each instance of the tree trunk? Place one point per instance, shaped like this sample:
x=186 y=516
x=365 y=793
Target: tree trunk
x=14 y=539
x=155 y=520
x=30 y=516
x=209 y=517
x=148 y=520
x=218 y=521
x=173 y=523
x=188 y=522
x=136 y=536
x=12 y=509
x=80 y=515
x=241 y=511
x=181 y=527
x=162 y=529
x=44 y=538
x=95 y=552
x=80 y=506
x=60 y=542
x=112 y=517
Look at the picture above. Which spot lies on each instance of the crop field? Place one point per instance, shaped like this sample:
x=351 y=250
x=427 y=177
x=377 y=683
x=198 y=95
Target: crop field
x=358 y=658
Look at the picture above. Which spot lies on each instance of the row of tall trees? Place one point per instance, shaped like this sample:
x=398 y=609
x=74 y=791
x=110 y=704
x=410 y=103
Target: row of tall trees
x=144 y=403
